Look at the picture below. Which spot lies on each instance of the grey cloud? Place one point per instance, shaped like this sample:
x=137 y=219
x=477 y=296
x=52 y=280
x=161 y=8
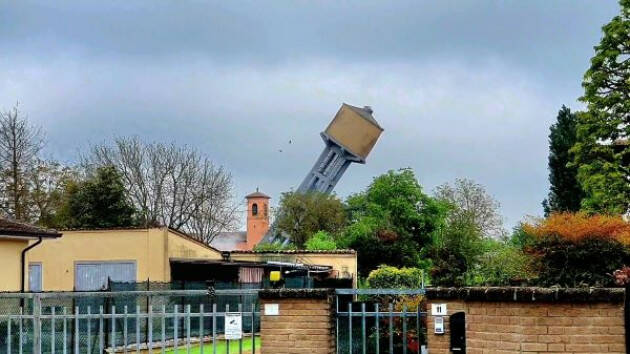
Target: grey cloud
x=463 y=88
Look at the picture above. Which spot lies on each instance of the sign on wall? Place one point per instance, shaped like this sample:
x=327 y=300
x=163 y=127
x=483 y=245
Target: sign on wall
x=438 y=309
x=272 y=310
x=233 y=325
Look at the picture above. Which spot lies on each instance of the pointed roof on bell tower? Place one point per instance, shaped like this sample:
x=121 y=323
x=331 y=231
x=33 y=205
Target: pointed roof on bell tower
x=257 y=194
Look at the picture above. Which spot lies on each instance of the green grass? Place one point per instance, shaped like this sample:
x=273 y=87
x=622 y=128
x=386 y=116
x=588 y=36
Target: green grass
x=221 y=347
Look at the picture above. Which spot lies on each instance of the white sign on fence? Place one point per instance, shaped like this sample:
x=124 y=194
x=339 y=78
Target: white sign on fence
x=233 y=325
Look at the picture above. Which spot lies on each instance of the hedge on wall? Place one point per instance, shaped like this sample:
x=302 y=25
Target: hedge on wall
x=387 y=277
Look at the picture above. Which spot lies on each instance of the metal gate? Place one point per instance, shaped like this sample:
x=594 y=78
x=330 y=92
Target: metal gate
x=121 y=325
x=384 y=321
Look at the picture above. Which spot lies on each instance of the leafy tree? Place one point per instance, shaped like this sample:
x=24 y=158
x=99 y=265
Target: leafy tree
x=98 y=202
x=303 y=214
x=392 y=221
x=321 y=241
x=601 y=153
x=47 y=181
x=520 y=239
x=471 y=206
x=472 y=217
x=565 y=193
x=455 y=249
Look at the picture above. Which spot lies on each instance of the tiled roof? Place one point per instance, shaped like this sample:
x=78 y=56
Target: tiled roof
x=299 y=252
x=257 y=194
x=14 y=228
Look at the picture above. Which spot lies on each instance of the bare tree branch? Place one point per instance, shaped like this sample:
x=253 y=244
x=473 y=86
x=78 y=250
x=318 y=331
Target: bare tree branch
x=172 y=186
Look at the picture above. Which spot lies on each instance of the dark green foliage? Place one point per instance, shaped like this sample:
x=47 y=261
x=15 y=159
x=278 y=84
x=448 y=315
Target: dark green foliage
x=302 y=215
x=590 y=261
x=565 y=193
x=602 y=151
x=449 y=267
x=98 y=202
x=391 y=221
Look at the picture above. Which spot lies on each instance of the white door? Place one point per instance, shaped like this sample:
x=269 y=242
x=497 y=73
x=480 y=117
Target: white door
x=35 y=277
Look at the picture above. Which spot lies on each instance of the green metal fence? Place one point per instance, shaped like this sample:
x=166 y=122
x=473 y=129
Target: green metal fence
x=383 y=321
x=125 y=325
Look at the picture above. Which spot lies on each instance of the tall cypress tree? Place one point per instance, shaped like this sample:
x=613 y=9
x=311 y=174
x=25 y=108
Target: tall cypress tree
x=602 y=151
x=565 y=193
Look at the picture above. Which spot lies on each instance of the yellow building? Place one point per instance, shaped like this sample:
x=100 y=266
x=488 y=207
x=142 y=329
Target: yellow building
x=342 y=263
x=86 y=259
x=14 y=248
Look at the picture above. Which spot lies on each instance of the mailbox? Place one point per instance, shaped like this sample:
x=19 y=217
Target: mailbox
x=457 y=324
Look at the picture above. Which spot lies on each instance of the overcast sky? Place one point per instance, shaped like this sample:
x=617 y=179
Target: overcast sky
x=462 y=88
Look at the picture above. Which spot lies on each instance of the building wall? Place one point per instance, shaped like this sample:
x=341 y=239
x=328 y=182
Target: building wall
x=59 y=256
x=539 y=327
x=10 y=254
x=342 y=263
x=150 y=249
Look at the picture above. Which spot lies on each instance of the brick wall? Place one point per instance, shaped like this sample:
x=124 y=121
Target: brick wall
x=304 y=323
x=511 y=326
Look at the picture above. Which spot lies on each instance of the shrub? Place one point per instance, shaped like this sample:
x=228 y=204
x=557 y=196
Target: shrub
x=504 y=264
x=387 y=277
x=589 y=261
x=321 y=241
x=579 y=226
x=578 y=249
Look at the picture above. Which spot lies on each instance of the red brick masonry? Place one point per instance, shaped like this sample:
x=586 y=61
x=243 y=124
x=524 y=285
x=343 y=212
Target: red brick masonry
x=515 y=320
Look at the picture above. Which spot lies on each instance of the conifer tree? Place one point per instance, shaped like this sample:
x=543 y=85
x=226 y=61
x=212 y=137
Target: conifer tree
x=565 y=193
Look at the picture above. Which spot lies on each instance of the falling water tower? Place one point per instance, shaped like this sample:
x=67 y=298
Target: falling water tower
x=349 y=138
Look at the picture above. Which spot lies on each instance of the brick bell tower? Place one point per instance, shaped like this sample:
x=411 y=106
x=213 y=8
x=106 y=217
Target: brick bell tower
x=257 y=218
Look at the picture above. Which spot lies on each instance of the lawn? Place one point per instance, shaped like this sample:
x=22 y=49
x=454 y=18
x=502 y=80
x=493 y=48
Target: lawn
x=221 y=347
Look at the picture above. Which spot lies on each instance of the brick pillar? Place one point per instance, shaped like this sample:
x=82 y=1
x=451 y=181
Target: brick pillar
x=440 y=343
x=304 y=323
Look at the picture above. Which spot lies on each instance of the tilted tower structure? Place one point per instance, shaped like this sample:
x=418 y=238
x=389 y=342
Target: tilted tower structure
x=349 y=138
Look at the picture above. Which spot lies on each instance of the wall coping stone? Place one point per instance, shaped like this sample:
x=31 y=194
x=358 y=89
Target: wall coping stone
x=296 y=293
x=528 y=294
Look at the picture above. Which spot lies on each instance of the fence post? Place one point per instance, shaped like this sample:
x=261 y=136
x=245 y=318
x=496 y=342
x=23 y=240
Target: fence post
x=37 y=325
